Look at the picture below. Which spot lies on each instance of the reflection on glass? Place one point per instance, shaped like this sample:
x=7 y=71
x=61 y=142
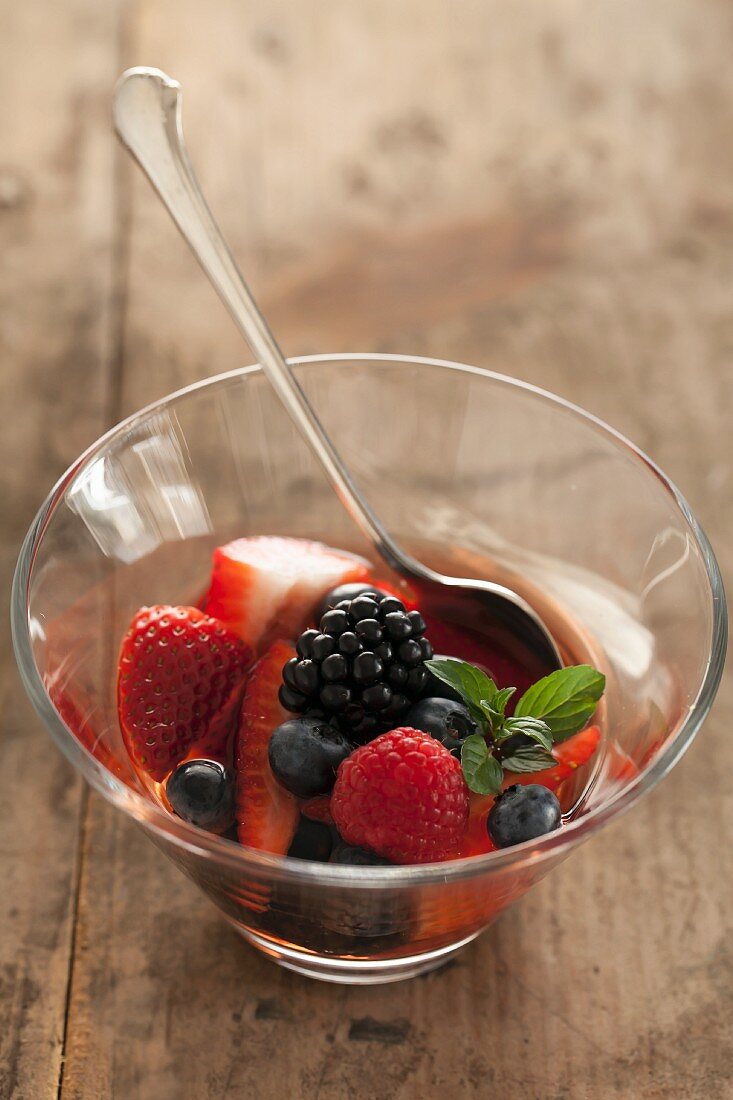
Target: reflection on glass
x=145 y=496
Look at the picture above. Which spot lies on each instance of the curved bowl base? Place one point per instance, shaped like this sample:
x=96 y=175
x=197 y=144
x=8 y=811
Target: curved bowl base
x=345 y=971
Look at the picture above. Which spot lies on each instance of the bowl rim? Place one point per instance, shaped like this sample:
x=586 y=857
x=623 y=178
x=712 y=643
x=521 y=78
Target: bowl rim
x=240 y=858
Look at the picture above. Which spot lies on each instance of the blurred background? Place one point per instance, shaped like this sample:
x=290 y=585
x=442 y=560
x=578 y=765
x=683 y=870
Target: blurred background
x=543 y=189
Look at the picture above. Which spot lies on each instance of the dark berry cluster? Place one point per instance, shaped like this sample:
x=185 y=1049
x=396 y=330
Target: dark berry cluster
x=364 y=666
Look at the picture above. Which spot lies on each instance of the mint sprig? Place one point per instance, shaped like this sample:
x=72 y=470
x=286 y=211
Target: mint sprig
x=482 y=770
x=551 y=710
x=565 y=699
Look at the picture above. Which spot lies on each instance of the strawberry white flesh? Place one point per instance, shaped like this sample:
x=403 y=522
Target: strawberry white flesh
x=265 y=587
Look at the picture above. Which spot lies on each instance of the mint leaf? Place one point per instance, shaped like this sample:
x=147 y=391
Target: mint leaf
x=482 y=771
x=535 y=728
x=471 y=683
x=495 y=708
x=502 y=697
x=565 y=699
x=529 y=758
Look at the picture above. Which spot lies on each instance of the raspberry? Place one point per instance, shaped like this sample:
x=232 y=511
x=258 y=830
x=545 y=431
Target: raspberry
x=403 y=796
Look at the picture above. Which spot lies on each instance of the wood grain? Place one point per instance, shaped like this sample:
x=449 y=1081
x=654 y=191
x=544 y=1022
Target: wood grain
x=56 y=241
x=547 y=191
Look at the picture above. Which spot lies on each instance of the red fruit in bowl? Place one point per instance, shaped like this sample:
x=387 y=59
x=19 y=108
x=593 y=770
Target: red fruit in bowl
x=179 y=682
x=264 y=588
x=267 y=815
x=402 y=796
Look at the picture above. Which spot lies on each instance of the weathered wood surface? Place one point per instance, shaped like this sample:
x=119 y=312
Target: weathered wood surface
x=545 y=189
x=56 y=304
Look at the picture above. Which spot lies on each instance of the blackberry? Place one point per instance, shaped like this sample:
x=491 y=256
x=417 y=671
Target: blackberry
x=363 y=668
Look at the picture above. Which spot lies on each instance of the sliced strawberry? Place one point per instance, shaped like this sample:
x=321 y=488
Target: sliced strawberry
x=179 y=682
x=570 y=754
x=267 y=816
x=264 y=588
x=318 y=809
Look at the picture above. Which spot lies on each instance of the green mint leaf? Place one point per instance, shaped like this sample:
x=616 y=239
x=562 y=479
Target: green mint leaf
x=565 y=699
x=495 y=708
x=528 y=758
x=501 y=699
x=471 y=683
x=535 y=728
x=482 y=771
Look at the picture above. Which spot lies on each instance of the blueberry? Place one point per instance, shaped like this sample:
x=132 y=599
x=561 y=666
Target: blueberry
x=312 y=840
x=342 y=593
x=357 y=857
x=304 y=754
x=445 y=720
x=368 y=917
x=202 y=793
x=523 y=813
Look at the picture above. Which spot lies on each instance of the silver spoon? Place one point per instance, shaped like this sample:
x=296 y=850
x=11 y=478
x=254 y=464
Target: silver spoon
x=147 y=117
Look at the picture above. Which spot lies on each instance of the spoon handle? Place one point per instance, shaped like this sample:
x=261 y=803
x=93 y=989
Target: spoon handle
x=147 y=117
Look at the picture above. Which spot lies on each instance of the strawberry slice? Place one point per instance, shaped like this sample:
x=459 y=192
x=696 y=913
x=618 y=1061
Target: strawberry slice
x=267 y=815
x=179 y=682
x=263 y=588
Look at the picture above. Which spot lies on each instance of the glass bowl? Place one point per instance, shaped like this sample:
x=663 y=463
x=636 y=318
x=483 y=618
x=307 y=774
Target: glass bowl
x=474 y=472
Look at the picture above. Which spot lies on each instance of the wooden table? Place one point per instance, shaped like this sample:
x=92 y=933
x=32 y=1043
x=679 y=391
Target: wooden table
x=546 y=189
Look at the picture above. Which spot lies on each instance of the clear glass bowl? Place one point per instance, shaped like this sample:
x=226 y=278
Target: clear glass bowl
x=472 y=471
